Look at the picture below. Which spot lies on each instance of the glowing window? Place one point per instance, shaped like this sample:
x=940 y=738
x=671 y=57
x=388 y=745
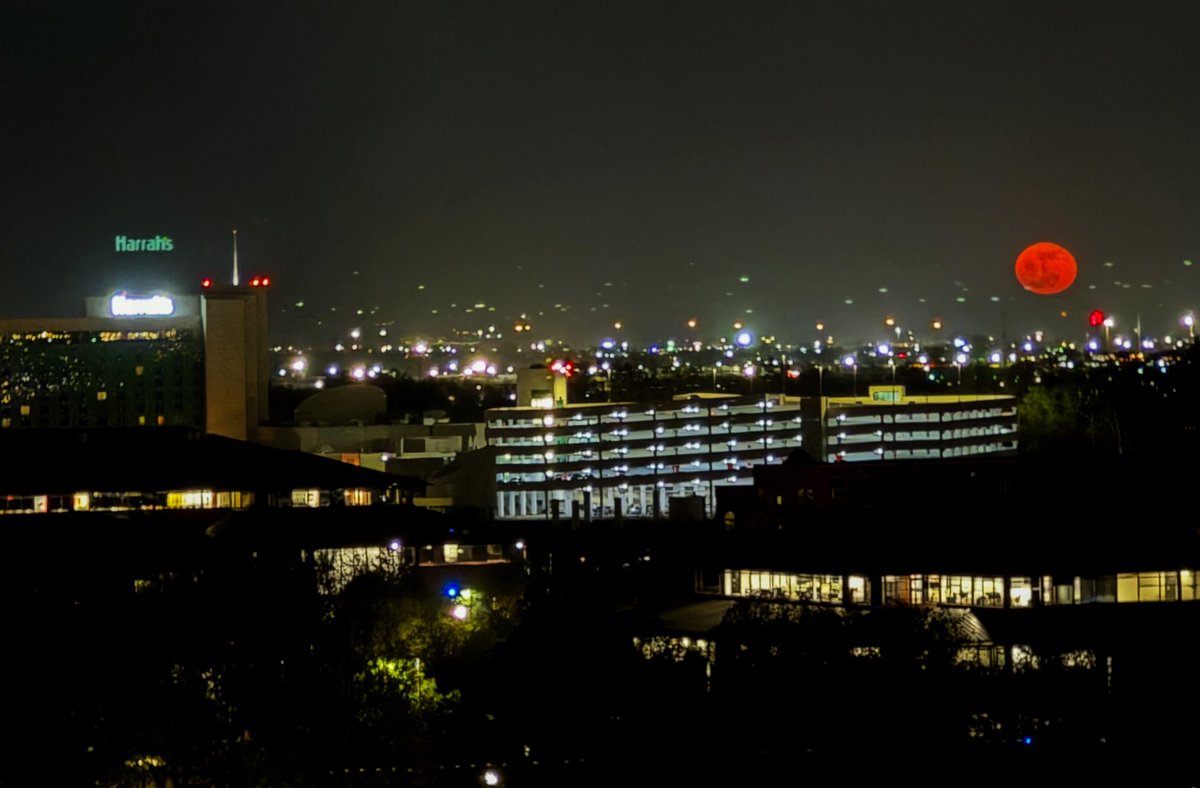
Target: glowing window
x=1127 y=588
x=1020 y=592
x=309 y=497
x=190 y=499
x=82 y=502
x=358 y=497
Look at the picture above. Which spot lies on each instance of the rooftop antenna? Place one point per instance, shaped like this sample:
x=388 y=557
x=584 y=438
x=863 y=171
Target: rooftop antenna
x=235 y=271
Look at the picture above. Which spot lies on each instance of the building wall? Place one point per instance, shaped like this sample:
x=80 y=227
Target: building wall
x=395 y=439
x=235 y=361
x=82 y=372
x=918 y=428
x=540 y=387
x=205 y=366
x=231 y=393
x=632 y=457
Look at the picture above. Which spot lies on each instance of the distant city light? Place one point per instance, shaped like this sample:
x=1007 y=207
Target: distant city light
x=744 y=339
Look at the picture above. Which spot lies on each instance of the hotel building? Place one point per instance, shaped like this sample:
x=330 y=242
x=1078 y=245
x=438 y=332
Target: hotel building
x=155 y=360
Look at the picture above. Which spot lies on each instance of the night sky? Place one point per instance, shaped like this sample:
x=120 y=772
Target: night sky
x=625 y=161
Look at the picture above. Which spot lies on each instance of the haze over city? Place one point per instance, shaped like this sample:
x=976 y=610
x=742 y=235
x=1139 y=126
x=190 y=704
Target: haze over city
x=633 y=163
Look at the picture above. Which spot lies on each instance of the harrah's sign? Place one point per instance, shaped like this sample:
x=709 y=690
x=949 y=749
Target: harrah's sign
x=125 y=305
x=159 y=243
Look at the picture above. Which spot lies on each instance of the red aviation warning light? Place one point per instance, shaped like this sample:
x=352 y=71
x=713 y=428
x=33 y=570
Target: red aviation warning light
x=260 y=281
x=1096 y=318
x=206 y=282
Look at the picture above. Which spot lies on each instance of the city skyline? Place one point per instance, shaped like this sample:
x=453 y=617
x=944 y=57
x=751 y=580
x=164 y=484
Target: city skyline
x=632 y=166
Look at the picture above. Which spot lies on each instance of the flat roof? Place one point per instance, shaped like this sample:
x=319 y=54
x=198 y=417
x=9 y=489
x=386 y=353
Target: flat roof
x=58 y=461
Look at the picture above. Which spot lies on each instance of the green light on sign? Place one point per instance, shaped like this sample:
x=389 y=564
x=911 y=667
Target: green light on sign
x=159 y=243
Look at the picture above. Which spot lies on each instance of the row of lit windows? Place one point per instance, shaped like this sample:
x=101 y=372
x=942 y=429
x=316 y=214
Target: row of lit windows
x=125 y=501
x=103 y=336
x=506 y=420
x=313 y=497
x=159 y=420
x=967 y=590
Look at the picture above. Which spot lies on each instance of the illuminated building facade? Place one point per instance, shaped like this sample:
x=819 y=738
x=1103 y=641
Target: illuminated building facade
x=629 y=459
x=154 y=360
x=889 y=424
x=964 y=590
x=103 y=370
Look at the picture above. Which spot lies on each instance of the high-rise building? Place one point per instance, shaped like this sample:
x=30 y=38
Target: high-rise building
x=142 y=360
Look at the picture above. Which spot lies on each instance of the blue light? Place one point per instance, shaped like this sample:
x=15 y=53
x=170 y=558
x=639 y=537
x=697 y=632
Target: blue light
x=1027 y=740
x=451 y=590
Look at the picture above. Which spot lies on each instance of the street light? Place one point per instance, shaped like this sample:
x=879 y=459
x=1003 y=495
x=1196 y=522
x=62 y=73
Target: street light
x=1189 y=320
x=851 y=361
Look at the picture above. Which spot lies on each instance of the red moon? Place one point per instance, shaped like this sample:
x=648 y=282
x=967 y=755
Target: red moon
x=1046 y=268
